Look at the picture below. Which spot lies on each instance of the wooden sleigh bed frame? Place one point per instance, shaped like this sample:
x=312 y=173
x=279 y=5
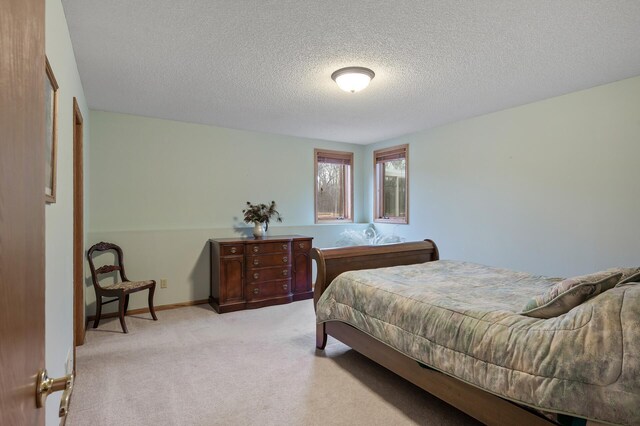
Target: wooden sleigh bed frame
x=477 y=403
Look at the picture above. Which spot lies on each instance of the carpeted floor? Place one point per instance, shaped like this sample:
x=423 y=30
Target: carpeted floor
x=255 y=367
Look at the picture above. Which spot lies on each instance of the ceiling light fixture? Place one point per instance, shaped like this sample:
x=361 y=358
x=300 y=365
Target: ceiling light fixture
x=353 y=79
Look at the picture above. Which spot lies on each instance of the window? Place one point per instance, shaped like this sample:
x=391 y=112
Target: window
x=391 y=187
x=334 y=186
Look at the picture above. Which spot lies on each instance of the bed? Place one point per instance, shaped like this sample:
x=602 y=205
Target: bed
x=455 y=330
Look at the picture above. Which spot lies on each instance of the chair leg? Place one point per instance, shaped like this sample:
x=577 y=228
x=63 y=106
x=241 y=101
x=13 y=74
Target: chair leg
x=98 y=311
x=121 y=301
x=126 y=304
x=152 y=290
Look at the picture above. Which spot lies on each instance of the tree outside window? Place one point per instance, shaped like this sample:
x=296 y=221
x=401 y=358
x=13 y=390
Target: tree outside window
x=334 y=186
x=391 y=185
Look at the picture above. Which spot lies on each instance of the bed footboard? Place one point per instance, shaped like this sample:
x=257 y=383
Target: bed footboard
x=331 y=262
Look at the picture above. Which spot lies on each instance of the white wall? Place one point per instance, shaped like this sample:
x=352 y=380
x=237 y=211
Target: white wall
x=162 y=188
x=551 y=187
x=59 y=216
x=181 y=256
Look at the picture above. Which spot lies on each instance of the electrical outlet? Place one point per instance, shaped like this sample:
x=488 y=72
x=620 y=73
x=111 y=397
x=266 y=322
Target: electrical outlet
x=163 y=283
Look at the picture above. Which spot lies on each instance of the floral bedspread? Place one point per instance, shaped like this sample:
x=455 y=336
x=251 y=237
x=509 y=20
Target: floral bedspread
x=461 y=318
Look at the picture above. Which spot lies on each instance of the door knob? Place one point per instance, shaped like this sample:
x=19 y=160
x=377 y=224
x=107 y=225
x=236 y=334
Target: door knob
x=47 y=385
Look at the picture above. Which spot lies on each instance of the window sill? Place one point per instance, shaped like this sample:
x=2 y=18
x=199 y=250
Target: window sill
x=334 y=221
x=396 y=221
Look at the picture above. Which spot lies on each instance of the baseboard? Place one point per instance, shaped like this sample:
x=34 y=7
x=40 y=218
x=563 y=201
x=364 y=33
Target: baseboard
x=146 y=310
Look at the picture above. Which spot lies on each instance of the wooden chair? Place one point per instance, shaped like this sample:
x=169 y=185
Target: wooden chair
x=120 y=291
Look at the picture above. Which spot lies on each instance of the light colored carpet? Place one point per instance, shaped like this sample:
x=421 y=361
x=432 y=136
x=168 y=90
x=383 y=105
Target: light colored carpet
x=255 y=367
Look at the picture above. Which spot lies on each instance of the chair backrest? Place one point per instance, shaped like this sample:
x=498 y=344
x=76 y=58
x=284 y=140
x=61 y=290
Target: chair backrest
x=119 y=266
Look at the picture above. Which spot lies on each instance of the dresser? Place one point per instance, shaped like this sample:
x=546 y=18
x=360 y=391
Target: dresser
x=251 y=273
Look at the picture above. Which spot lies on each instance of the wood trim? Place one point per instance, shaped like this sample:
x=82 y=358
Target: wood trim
x=377 y=186
x=78 y=227
x=390 y=154
x=479 y=404
x=348 y=198
x=156 y=308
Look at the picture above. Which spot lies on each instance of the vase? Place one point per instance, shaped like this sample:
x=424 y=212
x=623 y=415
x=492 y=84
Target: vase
x=258 y=230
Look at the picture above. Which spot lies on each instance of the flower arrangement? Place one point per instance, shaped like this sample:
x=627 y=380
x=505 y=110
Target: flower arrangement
x=261 y=213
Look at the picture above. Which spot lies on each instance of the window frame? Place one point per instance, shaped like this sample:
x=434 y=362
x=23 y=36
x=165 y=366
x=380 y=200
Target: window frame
x=347 y=192
x=398 y=151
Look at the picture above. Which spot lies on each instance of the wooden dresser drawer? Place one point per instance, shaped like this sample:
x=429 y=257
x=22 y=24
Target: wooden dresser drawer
x=303 y=245
x=279 y=247
x=268 y=289
x=267 y=260
x=232 y=249
x=268 y=274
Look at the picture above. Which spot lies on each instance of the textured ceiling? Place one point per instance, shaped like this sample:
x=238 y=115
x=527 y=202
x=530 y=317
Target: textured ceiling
x=265 y=65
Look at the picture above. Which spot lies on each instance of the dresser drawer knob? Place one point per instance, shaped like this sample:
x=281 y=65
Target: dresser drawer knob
x=256 y=275
x=285 y=259
x=301 y=245
x=284 y=247
x=233 y=249
x=285 y=272
x=256 y=262
x=256 y=290
x=284 y=286
x=255 y=249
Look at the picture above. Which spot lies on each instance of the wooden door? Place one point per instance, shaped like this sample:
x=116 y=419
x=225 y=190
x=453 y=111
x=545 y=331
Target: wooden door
x=232 y=279
x=302 y=269
x=22 y=249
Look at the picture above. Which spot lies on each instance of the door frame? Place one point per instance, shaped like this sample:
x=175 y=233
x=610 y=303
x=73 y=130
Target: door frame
x=78 y=231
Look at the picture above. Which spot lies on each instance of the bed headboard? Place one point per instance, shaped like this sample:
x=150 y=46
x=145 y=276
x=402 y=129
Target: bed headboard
x=331 y=262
